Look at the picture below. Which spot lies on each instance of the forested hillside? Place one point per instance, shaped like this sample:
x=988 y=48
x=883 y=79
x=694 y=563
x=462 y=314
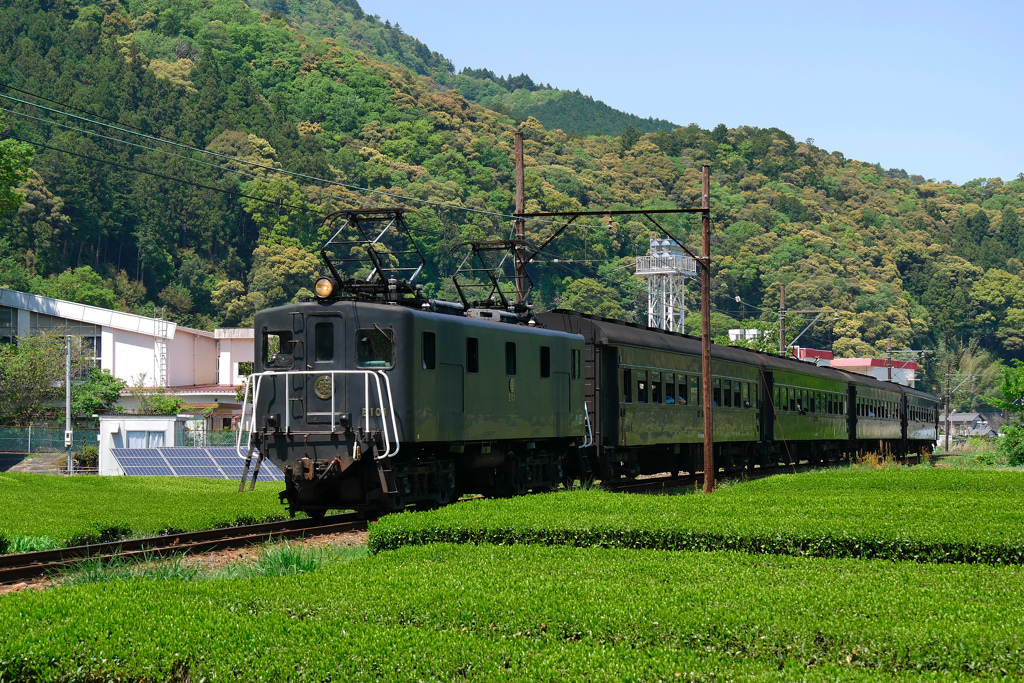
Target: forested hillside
x=284 y=112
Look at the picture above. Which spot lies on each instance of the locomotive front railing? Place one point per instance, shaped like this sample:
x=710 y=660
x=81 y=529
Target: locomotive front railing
x=383 y=396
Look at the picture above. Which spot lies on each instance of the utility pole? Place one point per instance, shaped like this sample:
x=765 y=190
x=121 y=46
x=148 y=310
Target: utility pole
x=705 y=330
x=520 y=222
x=782 y=320
x=947 y=407
x=68 y=433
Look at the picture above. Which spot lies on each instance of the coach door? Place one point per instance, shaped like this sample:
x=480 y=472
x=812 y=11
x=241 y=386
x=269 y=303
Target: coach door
x=325 y=351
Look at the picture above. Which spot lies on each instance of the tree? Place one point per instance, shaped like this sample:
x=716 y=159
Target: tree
x=1011 y=399
x=99 y=392
x=15 y=156
x=32 y=374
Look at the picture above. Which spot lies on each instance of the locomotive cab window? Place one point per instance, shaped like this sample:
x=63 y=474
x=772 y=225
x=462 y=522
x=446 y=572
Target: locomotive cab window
x=375 y=348
x=429 y=351
x=545 y=361
x=324 y=342
x=472 y=354
x=277 y=349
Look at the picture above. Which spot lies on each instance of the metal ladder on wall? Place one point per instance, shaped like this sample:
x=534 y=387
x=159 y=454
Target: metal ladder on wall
x=160 y=349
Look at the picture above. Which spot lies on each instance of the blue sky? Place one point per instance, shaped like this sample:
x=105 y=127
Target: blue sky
x=934 y=88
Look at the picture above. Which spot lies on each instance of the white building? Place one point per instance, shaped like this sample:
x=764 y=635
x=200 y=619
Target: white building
x=201 y=367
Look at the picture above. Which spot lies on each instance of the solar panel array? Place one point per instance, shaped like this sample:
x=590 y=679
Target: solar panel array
x=212 y=463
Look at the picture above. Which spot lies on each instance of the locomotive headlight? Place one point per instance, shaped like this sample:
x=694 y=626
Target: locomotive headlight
x=324 y=287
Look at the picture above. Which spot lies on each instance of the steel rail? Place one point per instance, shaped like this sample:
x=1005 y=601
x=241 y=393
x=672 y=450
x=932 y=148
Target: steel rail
x=20 y=566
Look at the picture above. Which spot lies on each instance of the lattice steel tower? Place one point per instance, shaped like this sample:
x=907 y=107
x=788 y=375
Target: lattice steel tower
x=666 y=270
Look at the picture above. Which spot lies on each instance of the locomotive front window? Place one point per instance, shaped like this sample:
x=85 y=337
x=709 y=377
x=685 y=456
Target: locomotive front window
x=277 y=349
x=324 y=342
x=429 y=351
x=472 y=354
x=375 y=348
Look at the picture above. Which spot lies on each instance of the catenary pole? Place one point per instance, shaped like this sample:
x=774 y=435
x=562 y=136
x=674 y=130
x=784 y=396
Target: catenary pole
x=67 y=402
x=520 y=222
x=705 y=330
x=947 y=407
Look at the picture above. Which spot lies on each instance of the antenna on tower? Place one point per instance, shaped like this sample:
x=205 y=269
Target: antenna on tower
x=666 y=269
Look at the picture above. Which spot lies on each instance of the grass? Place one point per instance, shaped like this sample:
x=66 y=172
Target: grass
x=274 y=559
x=59 y=511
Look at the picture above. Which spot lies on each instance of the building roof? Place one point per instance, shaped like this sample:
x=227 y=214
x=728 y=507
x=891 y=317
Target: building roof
x=93 y=315
x=873 y=363
x=234 y=333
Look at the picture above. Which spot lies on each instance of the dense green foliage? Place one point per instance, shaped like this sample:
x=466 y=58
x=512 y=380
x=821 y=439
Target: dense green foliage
x=320 y=89
x=922 y=514
x=77 y=510
x=533 y=613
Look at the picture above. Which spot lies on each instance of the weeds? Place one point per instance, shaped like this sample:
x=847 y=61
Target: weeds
x=31 y=544
x=275 y=559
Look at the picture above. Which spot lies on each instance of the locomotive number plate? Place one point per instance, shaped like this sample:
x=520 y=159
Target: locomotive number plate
x=322 y=387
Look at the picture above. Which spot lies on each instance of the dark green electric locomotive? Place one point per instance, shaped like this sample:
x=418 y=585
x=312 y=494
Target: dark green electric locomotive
x=372 y=397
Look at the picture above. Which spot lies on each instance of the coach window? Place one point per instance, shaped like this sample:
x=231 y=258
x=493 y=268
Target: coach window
x=778 y=399
x=670 y=388
x=429 y=351
x=753 y=395
x=716 y=392
x=727 y=394
x=472 y=354
x=627 y=386
x=695 y=393
x=545 y=361
x=641 y=386
x=736 y=394
x=575 y=358
x=684 y=390
x=746 y=395
x=655 y=387
x=510 y=358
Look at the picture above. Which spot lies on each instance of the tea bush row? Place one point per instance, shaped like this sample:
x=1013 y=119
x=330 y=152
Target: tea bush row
x=446 y=612
x=921 y=515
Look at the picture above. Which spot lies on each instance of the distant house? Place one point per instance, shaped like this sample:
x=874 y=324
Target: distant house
x=901 y=371
x=972 y=424
x=202 y=367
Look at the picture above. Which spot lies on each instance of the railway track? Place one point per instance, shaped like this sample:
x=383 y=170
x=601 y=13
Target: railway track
x=22 y=566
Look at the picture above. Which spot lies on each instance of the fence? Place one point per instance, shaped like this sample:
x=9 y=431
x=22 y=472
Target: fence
x=201 y=438
x=43 y=439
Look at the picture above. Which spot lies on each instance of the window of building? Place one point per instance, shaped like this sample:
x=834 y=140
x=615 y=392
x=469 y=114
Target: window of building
x=142 y=439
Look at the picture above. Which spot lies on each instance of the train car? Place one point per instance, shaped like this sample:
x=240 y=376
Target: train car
x=643 y=389
x=920 y=420
x=368 y=404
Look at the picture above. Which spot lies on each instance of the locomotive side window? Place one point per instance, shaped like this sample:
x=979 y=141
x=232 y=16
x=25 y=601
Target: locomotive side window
x=323 y=342
x=510 y=358
x=375 y=348
x=472 y=354
x=277 y=349
x=545 y=361
x=641 y=386
x=627 y=386
x=429 y=351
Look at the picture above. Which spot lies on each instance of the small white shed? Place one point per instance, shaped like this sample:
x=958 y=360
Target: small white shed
x=137 y=431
